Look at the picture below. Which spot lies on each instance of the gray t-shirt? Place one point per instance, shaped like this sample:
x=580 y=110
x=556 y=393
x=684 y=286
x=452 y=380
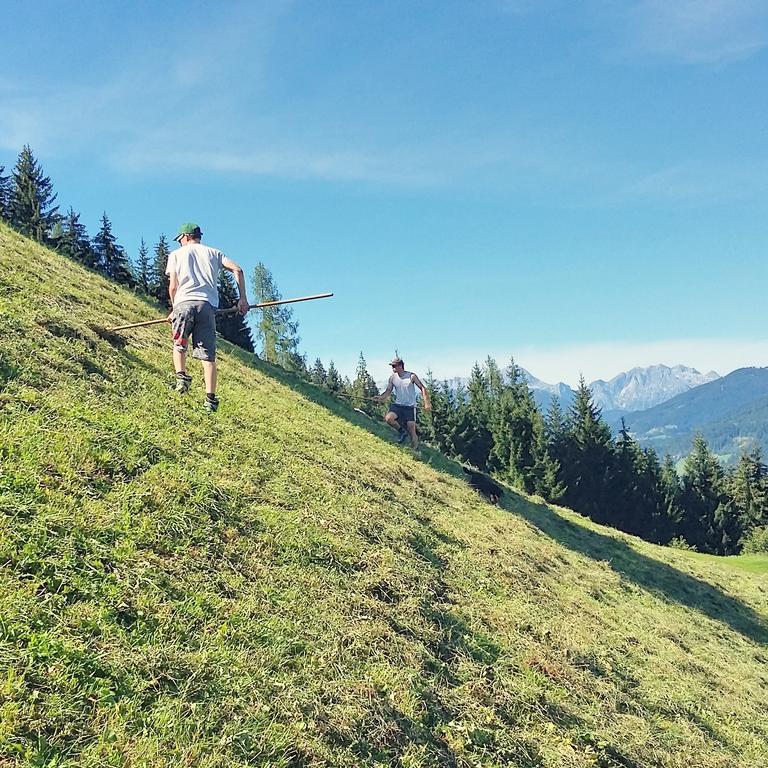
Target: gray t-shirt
x=197 y=267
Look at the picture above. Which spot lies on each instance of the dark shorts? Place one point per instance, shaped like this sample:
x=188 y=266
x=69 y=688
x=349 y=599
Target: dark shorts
x=404 y=413
x=198 y=320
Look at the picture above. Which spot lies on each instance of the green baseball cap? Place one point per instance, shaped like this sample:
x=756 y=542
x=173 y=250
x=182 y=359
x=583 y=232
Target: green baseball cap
x=188 y=228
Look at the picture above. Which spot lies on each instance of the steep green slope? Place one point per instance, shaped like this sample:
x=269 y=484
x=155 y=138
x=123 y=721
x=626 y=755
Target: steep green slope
x=276 y=585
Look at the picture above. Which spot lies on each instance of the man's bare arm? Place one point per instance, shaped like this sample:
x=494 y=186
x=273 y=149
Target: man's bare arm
x=236 y=270
x=424 y=392
x=173 y=285
x=385 y=394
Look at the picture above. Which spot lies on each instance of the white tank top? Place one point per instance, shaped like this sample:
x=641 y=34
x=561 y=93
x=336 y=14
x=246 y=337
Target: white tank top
x=404 y=388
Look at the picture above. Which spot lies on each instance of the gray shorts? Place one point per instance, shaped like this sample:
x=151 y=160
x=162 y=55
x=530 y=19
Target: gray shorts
x=198 y=320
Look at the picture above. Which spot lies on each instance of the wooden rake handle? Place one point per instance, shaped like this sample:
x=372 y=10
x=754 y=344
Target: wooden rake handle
x=230 y=311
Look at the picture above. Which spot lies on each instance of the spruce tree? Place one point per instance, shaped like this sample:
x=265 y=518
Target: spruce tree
x=636 y=491
x=556 y=429
x=333 y=380
x=74 y=241
x=748 y=487
x=471 y=438
x=363 y=388
x=32 y=209
x=232 y=327
x=318 y=376
x=111 y=259
x=587 y=460
x=437 y=422
x=5 y=195
x=653 y=498
x=511 y=417
x=144 y=269
x=704 y=522
x=160 y=279
x=672 y=494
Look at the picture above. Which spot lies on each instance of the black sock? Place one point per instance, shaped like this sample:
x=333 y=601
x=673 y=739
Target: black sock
x=210 y=396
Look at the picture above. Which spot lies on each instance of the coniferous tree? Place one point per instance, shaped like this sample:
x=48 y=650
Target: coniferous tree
x=333 y=380
x=32 y=209
x=143 y=269
x=5 y=195
x=637 y=491
x=471 y=437
x=672 y=491
x=111 y=258
x=298 y=364
x=624 y=484
x=556 y=429
x=653 y=498
x=748 y=487
x=318 y=375
x=161 y=281
x=437 y=422
x=275 y=330
x=588 y=457
x=104 y=246
x=705 y=510
x=511 y=420
x=74 y=241
x=232 y=327
x=363 y=388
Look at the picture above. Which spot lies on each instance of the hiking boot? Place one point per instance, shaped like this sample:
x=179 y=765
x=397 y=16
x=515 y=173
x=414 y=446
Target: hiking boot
x=211 y=404
x=183 y=382
x=402 y=435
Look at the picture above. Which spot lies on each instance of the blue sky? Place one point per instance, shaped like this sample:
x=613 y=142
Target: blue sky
x=579 y=184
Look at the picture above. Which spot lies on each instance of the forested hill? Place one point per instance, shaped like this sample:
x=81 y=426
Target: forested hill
x=730 y=412
x=280 y=585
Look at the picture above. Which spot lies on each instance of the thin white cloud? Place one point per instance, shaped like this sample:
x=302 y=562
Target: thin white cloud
x=602 y=360
x=699 y=31
x=278 y=161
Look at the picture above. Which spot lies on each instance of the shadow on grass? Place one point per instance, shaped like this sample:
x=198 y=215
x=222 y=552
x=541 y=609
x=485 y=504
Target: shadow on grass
x=651 y=574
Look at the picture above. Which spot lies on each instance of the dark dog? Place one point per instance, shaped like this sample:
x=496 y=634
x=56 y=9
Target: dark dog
x=483 y=484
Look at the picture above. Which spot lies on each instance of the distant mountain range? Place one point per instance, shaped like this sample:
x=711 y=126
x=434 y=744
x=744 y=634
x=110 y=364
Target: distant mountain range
x=643 y=388
x=633 y=390
x=731 y=413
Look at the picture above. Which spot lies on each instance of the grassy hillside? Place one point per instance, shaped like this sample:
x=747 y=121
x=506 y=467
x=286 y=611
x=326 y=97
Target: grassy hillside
x=276 y=585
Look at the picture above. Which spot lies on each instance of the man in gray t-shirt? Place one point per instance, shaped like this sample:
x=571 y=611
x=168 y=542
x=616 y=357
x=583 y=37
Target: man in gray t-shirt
x=193 y=273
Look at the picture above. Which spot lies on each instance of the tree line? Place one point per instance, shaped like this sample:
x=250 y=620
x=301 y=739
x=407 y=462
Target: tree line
x=28 y=204
x=570 y=457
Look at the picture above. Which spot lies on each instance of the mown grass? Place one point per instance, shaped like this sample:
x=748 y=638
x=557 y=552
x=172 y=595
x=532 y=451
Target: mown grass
x=277 y=585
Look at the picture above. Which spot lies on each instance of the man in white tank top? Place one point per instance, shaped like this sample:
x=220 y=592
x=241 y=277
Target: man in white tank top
x=402 y=411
